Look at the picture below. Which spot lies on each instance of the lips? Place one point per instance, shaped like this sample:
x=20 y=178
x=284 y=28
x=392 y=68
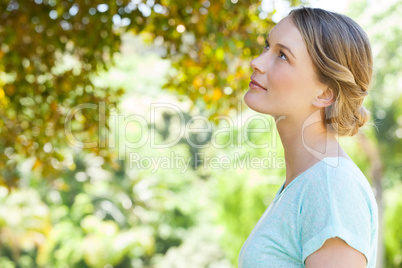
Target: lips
x=255 y=85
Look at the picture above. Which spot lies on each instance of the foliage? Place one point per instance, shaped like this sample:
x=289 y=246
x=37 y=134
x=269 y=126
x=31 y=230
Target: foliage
x=393 y=232
x=91 y=217
x=51 y=51
x=385 y=100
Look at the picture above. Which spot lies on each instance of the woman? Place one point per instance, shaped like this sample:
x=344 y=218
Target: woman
x=312 y=77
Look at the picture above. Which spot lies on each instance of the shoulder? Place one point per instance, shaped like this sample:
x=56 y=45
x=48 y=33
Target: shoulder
x=337 y=174
x=337 y=183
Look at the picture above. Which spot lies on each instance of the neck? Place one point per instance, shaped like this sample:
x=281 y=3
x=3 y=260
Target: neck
x=306 y=142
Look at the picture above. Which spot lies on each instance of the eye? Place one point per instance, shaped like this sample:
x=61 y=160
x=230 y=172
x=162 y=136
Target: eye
x=283 y=56
x=266 y=45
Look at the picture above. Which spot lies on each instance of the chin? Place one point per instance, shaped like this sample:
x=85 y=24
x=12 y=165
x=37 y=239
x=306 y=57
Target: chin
x=254 y=102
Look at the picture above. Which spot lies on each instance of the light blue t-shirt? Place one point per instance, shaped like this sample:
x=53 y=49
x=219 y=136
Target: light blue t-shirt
x=330 y=199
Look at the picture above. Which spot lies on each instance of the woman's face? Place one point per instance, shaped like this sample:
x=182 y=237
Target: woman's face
x=285 y=72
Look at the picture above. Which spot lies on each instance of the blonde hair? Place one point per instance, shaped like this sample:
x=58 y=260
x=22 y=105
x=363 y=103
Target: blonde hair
x=341 y=53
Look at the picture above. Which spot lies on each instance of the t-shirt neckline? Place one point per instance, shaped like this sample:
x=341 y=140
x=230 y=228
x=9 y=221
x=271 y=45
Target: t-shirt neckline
x=325 y=160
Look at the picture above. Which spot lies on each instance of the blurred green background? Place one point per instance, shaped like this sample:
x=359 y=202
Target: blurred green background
x=125 y=141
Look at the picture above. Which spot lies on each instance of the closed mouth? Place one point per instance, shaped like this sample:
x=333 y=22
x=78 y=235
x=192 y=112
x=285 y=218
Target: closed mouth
x=257 y=84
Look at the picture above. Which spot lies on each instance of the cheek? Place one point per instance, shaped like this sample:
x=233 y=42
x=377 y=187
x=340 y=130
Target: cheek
x=283 y=79
x=290 y=87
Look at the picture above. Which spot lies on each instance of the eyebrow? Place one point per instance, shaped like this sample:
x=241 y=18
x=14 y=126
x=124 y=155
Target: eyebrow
x=282 y=46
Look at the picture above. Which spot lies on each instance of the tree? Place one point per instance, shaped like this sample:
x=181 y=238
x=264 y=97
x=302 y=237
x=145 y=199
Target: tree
x=52 y=49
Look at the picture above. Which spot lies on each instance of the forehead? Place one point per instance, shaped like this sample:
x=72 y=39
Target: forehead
x=286 y=33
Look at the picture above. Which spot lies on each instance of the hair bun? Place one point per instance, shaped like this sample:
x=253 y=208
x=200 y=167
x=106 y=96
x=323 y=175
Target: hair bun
x=363 y=116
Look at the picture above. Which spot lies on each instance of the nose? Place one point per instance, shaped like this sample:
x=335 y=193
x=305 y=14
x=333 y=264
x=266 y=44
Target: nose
x=257 y=64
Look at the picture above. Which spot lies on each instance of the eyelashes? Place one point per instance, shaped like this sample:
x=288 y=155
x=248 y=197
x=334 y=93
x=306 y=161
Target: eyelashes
x=266 y=45
x=283 y=56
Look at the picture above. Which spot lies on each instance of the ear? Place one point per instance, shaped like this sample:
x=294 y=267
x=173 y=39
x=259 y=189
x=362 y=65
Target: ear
x=325 y=98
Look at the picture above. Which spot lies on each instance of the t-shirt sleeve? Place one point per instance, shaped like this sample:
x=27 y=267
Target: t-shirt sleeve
x=334 y=205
